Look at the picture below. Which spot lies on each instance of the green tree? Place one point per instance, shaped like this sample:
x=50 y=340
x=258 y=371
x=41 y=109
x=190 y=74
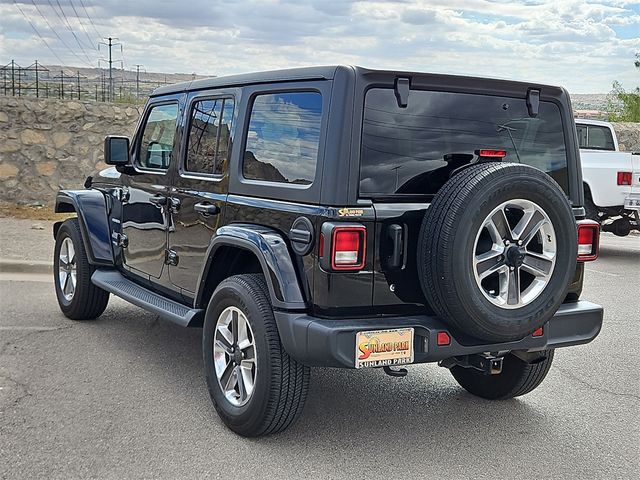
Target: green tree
x=624 y=106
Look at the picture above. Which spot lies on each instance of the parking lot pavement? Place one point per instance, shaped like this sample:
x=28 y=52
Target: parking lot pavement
x=124 y=396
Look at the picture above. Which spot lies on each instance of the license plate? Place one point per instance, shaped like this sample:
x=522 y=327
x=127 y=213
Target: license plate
x=632 y=203
x=381 y=348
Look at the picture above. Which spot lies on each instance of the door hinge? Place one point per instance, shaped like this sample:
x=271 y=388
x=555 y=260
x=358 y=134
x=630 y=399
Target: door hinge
x=120 y=240
x=122 y=194
x=171 y=257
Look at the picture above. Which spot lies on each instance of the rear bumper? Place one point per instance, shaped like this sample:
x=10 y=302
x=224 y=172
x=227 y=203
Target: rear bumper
x=331 y=343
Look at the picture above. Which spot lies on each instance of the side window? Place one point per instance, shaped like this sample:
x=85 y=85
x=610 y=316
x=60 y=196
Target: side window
x=600 y=138
x=283 y=138
x=209 y=136
x=156 y=143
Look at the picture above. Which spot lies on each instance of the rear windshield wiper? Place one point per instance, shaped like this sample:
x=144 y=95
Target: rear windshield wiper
x=508 y=129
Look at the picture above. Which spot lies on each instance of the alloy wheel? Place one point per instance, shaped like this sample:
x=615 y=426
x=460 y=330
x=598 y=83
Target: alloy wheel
x=514 y=254
x=234 y=356
x=67 y=271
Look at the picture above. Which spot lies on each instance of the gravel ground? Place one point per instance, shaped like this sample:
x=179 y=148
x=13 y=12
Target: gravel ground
x=28 y=240
x=124 y=397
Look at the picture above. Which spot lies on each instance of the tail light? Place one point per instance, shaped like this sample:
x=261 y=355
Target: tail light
x=624 y=178
x=588 y=240
x=347 y=248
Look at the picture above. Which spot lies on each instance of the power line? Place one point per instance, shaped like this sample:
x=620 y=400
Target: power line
x=81 y=24
x=68 y=26
x=90 y=20
x=38 y=33
x=59 y=37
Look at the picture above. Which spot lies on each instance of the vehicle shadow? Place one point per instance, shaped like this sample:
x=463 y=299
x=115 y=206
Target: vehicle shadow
x=620 y=252
x=346 y=410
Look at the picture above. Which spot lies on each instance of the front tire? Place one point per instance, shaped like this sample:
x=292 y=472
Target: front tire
x=256 y=387
x=517 y=378
x=78 y=298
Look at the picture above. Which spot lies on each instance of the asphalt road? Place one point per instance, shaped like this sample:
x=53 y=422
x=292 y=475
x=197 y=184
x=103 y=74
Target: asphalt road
x=124 y=396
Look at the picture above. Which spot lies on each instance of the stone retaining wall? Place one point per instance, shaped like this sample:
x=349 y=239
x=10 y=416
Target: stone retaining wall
x=628 y=136
x=48 y=144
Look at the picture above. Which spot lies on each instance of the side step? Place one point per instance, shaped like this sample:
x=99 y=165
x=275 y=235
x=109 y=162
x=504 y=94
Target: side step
x=116 y=283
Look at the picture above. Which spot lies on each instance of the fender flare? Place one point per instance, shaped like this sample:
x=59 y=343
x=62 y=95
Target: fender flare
x=271 y=250
x=91 y=208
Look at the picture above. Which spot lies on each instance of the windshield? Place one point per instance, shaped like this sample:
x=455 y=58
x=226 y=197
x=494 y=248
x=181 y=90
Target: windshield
x=414 y=150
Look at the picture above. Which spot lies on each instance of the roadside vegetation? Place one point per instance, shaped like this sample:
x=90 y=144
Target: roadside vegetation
x=622 y=105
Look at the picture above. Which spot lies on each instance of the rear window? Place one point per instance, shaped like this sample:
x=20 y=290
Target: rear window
x=414 y=150
x=595 y=137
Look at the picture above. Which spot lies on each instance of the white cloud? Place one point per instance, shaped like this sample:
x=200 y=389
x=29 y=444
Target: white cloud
x=581 y=45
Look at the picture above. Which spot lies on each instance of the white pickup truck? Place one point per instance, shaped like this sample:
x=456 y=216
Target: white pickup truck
x=611 y=178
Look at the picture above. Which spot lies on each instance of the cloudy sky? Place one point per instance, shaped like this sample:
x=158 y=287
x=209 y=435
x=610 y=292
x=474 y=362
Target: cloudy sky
x=581 y=45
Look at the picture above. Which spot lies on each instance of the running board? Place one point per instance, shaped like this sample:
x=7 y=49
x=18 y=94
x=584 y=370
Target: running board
x=116 y=283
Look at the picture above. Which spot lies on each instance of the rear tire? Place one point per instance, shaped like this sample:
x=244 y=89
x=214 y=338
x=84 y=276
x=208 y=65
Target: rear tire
x=78 y=298
x=278 y=384
x=517 y=378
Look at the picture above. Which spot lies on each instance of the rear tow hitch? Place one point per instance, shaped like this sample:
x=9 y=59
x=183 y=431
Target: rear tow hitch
x=401 y=372
x=487 y=363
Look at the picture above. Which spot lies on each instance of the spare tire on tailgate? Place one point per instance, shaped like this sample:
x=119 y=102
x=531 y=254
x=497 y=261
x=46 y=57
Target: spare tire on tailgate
x=497 y=250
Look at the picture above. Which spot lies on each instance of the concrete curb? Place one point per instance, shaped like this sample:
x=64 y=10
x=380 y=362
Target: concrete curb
x=8 y=265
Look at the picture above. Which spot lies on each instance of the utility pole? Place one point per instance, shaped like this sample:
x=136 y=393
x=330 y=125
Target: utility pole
x=61 y=78
x=37 y=86
x=13 y=78
x=78 y=82
x=111 y=44
x=36 y=68
x=138 y=80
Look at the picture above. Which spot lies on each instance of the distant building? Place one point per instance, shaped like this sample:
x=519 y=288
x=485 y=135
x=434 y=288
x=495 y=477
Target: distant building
x=592 y=114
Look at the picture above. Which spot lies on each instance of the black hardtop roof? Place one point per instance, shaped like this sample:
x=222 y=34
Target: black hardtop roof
x=327 y=73
x=286 y=75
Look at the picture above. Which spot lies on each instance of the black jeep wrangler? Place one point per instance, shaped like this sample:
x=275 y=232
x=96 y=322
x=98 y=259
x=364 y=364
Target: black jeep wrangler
x=342 y=217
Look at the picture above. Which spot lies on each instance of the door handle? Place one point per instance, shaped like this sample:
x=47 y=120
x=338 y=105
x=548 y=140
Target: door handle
x=206 y=208
x=158 y=200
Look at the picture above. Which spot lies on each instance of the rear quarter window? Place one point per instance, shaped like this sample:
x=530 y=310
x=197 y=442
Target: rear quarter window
x=283 y=138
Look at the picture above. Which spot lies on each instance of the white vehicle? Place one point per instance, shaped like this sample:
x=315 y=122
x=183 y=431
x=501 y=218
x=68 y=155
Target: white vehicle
x=611 y=178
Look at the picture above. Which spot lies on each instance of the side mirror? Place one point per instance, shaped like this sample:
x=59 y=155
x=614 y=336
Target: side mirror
x=116 y=150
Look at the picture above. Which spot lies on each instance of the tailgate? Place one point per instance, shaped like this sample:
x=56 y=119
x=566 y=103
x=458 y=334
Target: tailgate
x=632 y=202
x=635 y=186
